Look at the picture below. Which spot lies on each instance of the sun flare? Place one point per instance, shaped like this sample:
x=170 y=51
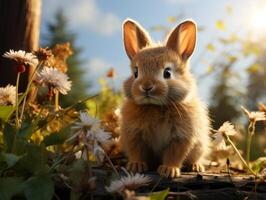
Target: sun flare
x=258 y=22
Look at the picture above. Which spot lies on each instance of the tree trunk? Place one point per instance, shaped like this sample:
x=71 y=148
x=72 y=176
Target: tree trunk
x=19 y=30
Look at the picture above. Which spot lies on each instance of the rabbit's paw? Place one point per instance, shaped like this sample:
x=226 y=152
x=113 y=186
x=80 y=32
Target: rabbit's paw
x=136 y=166
x=168 y=172
x=196 y=167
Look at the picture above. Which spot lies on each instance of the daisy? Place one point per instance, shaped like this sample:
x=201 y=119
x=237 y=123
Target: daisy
x=54 y=79
x=254 y=116
x=86 y=122
x=22 y=57
x=7 y=95
x=130 y=182
x=99 y=135
x=85 y=125
x=226 y=129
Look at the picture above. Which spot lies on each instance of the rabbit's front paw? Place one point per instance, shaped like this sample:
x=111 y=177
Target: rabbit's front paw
x=196 y=167
x=136 y=167
x=168 y=172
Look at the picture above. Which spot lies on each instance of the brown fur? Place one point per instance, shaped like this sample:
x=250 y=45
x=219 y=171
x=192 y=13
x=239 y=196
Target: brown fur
x=170 y=126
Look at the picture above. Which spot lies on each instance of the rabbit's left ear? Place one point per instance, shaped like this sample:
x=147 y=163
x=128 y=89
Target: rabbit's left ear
x=183 y=39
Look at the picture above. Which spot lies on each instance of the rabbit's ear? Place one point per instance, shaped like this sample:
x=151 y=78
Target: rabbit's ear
x=135 y=37
x=183 y=39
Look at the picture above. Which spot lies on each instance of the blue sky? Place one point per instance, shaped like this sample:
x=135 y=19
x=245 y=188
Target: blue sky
x=97 y=24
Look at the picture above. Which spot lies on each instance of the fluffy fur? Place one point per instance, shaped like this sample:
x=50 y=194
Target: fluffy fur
x=164 y=124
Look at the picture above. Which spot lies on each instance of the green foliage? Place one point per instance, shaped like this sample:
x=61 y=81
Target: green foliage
x=5 y=112
x=161 y=195
x=107 y=101
x=58 y=33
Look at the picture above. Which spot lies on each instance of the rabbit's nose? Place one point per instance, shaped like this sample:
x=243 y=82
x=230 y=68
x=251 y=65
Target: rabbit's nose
x=146 y=89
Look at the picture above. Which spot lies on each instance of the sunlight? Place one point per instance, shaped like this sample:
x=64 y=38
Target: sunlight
x=258 y=22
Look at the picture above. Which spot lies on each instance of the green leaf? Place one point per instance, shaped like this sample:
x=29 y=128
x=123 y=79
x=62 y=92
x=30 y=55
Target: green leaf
x=39 y=188
x=9 y=158
x=5 y=112
x=35 y=160
x=57 y=137
x=9 y=187
x=9 y=134
x=79 y=174
x=27 y=128
x=161 y=195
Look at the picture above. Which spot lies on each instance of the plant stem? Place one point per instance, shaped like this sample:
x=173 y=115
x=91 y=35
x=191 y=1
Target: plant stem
x=56 y=101
x=17 y=103
x=112 y=165
x=239 y=155
x=251 y=130
x=28 y=88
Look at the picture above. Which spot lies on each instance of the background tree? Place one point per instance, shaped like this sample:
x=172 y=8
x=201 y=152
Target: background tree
x=59 y=33
x=257 y=80
x=225 y=96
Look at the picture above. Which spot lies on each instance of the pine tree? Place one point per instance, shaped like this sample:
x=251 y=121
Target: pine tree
x=226 y=97
x=58 y=33
x=257 y=82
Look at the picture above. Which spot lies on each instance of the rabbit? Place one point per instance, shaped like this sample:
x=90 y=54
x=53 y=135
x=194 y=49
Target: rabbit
x=164 y=124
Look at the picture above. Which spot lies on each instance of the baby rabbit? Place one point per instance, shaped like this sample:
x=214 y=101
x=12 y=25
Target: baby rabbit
x=163 y=123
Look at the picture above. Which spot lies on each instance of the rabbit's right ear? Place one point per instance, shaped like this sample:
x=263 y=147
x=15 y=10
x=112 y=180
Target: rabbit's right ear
x=135 y=37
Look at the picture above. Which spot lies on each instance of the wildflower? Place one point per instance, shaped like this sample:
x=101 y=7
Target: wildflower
x=226 y=129
x=90 y=133
x=110 y=73
x=254 y=116
x=98 y=153
x=99 y=135
x=54 y=80
x=130 y=182
x=43 y=54
x=22 y=58
x=86 y=122
x=7 y=95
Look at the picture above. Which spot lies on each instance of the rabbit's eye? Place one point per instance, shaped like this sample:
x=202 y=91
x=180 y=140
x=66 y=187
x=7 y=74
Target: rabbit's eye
x=136 y=72
x=167 y=73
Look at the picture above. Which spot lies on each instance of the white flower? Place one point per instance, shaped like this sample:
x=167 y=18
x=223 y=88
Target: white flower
x=254 y=116
x=98 y=153
x=99 y=135
x=54 y=79
x=226 y=129
x=7 y=95
x=22 y=57
x=86 y=122
x=130 y=181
